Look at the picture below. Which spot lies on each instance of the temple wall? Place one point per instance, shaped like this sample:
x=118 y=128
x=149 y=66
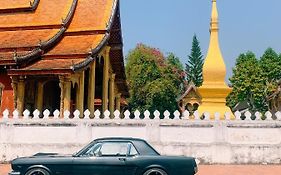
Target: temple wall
x=210 y=141
x=7 y=99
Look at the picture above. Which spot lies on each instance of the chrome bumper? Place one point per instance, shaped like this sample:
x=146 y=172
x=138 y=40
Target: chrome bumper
x=14 y=173
x=195 y=170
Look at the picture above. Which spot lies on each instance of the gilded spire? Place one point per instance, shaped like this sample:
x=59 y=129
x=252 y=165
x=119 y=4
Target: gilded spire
x=214 y=19
x=214 y=70
x=214 y=89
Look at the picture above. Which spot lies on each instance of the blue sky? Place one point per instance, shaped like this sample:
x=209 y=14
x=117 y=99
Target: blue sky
x=170 y=25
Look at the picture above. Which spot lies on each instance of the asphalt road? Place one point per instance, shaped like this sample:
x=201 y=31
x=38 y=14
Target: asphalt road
x=214 y=169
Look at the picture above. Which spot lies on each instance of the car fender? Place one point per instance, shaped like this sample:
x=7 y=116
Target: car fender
x=38 y=166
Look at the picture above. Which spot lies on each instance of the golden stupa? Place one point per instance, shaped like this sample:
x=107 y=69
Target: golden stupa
x=214 y=89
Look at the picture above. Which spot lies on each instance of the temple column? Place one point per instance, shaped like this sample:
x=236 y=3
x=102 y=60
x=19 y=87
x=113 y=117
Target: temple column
x=67 y=94
x=105 y=80
x=61 y=84
x=39 y=100
x=65 y=86
x=91 y=88
x=15 y=90
x=80 y=94
x=118 y=102
x=112 y=93
x=20 y=95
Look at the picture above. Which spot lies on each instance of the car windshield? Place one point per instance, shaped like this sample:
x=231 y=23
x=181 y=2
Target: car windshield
x=93 y=151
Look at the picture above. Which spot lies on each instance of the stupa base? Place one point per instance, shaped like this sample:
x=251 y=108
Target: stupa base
x=214 y=109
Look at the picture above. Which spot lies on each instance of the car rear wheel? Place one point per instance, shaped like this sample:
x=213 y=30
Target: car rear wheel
x=37 y=171
x=155 y=171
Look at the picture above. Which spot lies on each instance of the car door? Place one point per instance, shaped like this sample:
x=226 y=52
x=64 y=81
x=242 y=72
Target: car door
x=103 y=158
x=131 y=160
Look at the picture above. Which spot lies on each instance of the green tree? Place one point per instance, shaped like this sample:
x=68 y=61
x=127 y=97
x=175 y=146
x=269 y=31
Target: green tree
x=153 y=80
x=176 y=71
x=248 y=83
x=270 y=63
x=195 y=64
x=173 y=60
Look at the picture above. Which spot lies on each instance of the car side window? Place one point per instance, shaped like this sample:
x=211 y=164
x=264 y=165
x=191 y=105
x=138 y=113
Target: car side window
x=111 y=149
x=132 y=151
x=114 y=149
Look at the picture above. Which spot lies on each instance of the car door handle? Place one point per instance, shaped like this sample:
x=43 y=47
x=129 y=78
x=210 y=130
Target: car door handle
x=122 y=159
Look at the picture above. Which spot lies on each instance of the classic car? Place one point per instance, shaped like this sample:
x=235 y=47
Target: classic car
x=106 y=156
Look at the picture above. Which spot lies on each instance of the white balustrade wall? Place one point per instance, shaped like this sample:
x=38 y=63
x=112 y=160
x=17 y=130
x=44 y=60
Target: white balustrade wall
x=251 y=138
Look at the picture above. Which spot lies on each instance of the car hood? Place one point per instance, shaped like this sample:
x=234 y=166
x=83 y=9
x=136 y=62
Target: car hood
x=42 y=158
x=51 y=155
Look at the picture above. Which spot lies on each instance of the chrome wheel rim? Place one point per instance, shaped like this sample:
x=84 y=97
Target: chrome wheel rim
x=37 y=173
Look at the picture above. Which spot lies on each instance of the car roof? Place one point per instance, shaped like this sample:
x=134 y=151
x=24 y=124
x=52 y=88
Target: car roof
x=119 y=139
x=140 y=144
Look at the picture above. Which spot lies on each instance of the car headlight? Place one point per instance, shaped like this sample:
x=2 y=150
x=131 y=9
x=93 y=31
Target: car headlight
x=197 y=161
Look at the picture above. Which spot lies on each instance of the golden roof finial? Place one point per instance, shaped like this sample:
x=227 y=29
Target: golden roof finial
x=214 y=26
x=214 y=70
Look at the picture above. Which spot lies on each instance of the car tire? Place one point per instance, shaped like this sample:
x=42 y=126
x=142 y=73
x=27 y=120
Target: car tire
x=37 y=171
x=155 y=171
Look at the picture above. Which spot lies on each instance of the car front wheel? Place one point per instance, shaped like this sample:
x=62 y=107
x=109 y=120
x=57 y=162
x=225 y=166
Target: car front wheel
x=155 y=171
x=37 y=171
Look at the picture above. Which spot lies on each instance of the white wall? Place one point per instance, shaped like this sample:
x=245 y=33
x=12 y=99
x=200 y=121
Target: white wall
x=226 y=142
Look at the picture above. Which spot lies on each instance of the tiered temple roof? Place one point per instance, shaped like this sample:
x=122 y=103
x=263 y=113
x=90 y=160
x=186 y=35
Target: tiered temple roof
x=45 y=37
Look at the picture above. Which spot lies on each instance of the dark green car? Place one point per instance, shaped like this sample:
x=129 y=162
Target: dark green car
x=107 y=156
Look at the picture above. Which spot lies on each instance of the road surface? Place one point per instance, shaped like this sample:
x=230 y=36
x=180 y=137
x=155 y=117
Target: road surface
x=214 y=169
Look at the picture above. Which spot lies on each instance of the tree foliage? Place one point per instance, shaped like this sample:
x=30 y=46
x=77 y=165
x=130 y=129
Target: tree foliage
x=173 y=60
x=271 y=63
x=254 y=80
x=195 y=64
x=153 y=79
x=247 y=82
x=175 y=71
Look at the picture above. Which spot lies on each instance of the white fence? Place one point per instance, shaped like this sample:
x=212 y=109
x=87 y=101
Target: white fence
x=36 y=114
x=226 y=141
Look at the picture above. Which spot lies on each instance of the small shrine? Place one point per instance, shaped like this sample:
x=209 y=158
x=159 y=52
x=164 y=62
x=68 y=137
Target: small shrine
x=190 y=100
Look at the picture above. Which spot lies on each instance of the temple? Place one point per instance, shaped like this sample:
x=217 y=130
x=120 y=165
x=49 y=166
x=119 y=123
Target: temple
x=214 y=89
x=61 y=54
